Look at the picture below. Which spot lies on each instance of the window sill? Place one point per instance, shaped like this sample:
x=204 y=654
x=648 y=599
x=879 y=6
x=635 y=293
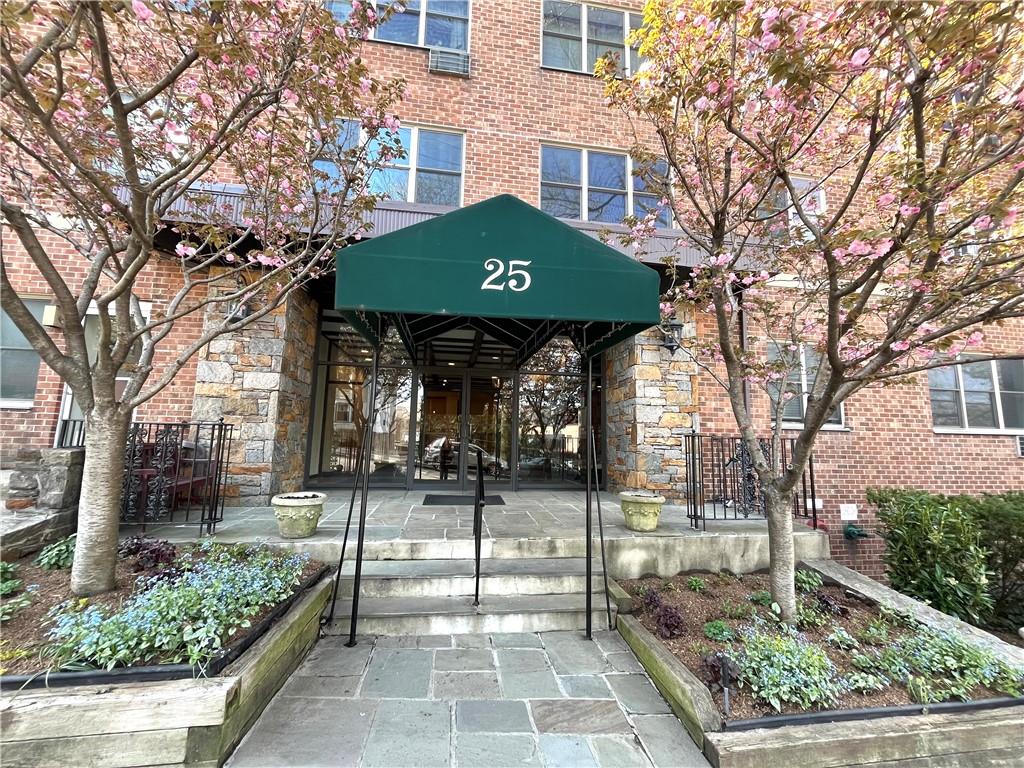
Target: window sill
x=990 y=432
x=796 y=426
x=417 y=46
x=16 y=405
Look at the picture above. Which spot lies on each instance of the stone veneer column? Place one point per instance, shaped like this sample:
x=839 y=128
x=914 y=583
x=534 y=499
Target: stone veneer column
x=260 y=380
x=650 y=398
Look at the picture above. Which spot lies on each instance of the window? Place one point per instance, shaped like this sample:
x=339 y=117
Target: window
x=435 y=177
x=597 y=186
x=983 y=395
x=19 y=363
x=802 y=364
x=576 y=35
x=426 y=23
x=812 y=199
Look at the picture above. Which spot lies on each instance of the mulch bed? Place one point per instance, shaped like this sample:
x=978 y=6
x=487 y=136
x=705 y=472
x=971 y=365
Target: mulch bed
x=28 y=628
x=698 y=608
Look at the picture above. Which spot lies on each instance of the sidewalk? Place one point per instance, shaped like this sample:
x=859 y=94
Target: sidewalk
x=551 y=699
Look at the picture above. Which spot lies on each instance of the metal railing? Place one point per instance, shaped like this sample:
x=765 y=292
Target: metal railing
x=175 y=472
x=479 y=502
x=721 y=483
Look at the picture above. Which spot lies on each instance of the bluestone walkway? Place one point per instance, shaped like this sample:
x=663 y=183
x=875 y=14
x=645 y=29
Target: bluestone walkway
x=551 y=699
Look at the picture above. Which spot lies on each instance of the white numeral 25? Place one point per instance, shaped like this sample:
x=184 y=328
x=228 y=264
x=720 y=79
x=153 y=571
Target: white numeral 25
x=518 y=279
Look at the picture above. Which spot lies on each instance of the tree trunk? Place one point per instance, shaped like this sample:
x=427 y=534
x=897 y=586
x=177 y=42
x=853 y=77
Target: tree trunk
x=781 y=553
x=99 y=507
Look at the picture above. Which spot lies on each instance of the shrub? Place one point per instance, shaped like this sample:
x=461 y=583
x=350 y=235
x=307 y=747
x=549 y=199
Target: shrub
x=862 y=682
x=9 y=584
x=174 y=621
x=669 y=621
x=58 y=555
x=784 y=669
x=147 y=553
x=719 y=631
x=650 y=600
x=809 y=616
x=933 y=552
x=807 y=581
x=761 y=597
x=1001 y=522
x=696 y=584
x=10 y=607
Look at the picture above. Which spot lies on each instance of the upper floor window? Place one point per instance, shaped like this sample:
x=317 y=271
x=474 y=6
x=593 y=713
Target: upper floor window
x=429 y=172
x=427 y=23
x=802 y=366
x=983 y=395
x=778 y=208
x=576 y=35
x=591 y=185
x=19 y=362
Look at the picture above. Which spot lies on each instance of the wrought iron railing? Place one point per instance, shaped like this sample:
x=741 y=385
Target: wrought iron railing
x=721 y=483
x=173 y=471
x=479 y=502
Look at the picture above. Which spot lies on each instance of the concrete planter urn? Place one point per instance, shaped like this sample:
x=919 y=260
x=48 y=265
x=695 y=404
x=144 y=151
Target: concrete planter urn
x=298 y=513
x=641 y=510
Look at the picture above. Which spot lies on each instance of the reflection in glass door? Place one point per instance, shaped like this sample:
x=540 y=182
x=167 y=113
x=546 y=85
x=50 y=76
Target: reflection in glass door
x=490 y=427
x=439 y=428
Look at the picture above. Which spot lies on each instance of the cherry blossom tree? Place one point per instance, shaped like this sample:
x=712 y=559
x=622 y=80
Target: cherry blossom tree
x=851 y=175
x=119 y=122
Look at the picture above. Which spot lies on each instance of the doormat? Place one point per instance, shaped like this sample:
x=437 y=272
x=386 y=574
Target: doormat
x=443 y=499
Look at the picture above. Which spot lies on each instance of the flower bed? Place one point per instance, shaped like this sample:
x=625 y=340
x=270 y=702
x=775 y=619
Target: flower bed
x=844 y=653
x=177 y=612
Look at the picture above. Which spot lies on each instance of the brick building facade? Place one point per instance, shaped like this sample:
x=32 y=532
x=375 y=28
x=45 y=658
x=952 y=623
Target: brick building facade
x=521 y=123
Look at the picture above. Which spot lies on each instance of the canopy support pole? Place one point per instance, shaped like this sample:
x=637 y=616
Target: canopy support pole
x=600 y=530
x=365 y=489
x=590 y=485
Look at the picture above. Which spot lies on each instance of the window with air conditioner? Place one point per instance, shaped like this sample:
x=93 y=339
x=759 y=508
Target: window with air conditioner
x=424 y=23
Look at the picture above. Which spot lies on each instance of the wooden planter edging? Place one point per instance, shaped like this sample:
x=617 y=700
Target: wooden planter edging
x=157 y=672
x=966 y=734
x=194 y=722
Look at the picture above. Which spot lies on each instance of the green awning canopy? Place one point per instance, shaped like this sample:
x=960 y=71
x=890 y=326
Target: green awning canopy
x=502 y=267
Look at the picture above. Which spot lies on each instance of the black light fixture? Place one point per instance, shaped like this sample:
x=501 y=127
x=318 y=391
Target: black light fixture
x=673 y=335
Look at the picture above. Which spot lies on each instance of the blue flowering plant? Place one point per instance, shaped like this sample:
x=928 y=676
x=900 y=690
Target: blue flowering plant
x=216 y=592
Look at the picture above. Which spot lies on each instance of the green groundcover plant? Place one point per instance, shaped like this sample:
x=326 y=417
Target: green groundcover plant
x=183 y=614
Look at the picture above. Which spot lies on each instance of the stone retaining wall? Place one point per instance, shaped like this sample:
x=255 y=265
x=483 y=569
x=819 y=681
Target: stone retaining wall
x=40 y=489
x=175 y=722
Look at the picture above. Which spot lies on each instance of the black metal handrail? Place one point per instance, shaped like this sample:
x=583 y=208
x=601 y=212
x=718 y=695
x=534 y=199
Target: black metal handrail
x=479 y=502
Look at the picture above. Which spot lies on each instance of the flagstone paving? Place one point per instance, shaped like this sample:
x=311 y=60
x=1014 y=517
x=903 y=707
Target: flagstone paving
x=552 y=699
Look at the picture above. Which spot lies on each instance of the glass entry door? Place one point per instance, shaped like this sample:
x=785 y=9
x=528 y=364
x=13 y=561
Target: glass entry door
x=439 y=453
x=489 y=426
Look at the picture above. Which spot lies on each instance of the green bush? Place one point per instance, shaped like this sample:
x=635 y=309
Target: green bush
x=761 y=597
x=1001 y=521
x=784 y=669
x=933 y=552
x=718 y=630
x=58 y=555
x=807 y=581
x=171 y=620
x=9 y=583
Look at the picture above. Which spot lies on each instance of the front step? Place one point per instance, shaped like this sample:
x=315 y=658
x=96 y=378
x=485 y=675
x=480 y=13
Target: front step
x=458 y=615
x=449 y=578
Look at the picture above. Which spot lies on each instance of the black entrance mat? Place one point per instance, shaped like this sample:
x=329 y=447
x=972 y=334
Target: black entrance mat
x=444 y=499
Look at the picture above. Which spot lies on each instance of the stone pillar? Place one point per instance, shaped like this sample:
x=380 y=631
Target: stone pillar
x=260 y=380
x=40 y=488
x=651 y=399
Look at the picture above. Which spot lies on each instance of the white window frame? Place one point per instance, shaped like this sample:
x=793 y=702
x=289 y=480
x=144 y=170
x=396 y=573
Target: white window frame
x=412 y=156
x=585 y=181
x=588 y=67
x=997 y=393
x=422 y=30
x=793 y=220
x=24 y=404
x=805 y=393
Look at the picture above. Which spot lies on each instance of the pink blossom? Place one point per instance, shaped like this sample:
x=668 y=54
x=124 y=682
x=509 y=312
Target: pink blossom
x=909 y=210
x=901 y=346
x=251 y=71
x=887 y=199
x=983 y=223
x=975 y=339
x=702 y=104
x=770 y=41
x=206 y=100
x=142 y=11
x=860 y=57
x=184 y=250
x=392 y=123
x=860 y=248
x=713 y=87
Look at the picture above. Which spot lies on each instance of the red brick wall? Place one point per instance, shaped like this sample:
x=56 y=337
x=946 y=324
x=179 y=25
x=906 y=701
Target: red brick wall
x=36 y=427
x=888 y=441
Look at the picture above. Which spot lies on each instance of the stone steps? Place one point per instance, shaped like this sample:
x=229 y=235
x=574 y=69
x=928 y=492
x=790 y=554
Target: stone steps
x=458 y=615
x=449 y=578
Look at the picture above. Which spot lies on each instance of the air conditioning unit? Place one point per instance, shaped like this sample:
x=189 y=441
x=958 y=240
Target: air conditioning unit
x=1020 y=445
x=448 y=62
